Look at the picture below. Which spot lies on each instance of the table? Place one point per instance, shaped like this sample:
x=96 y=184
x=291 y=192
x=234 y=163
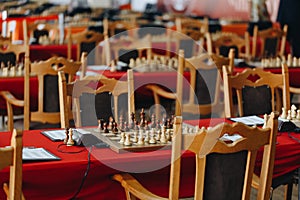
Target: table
x=61 y=179
x=16 y=86
x=44 y=52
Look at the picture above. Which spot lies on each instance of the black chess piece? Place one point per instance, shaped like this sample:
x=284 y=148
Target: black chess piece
x=142 y=118
x=105 y=128
x=100 y=124
x=115 y=128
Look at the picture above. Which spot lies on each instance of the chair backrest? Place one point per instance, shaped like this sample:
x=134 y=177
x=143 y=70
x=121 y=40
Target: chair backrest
x=94 y=86
x=43 y=32
x=12 y=54
x=257 y=91
x=12 y=156
x=225 y=41
x=120 y=28
x=273 y=41
x=125 y=48
x=205 y=73
x=225 y=168
x=205 y=82
x=86 y=41
x=187 y=41
x=48 y=100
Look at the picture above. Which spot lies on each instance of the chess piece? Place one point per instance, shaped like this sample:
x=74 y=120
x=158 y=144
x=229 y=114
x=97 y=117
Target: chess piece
x=70 y=141
x=289 y=117
x=12 y=71
x=289 y=60
x=142 y=117
x=113 y=67
x=283 y=114
x=135 y=136
x=293 y=111
x=152 y=139
x=115 y=128
x=278 y=62
x=295 y=62
x=147 y=138
x=140 y=139
x=265 y=121
x=105 y=130
x=298 y=115
x=122 y=139
x=67 y=135
x=100 y=124
x=5 y=71
x=131 y=63
x=127 y=141
x=163 y=138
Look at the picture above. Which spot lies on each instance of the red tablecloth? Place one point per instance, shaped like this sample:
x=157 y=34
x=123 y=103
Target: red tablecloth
x=16 y=86
x=44 y=52
x=61 y=179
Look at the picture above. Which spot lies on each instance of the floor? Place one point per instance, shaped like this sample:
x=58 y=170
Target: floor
x=278 y=193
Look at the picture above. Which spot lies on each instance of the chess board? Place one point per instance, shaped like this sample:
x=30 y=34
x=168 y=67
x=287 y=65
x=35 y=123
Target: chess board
x=113 y=140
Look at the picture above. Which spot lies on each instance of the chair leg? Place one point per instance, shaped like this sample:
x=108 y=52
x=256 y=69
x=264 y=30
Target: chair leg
x=288 y=188
x=299 y=183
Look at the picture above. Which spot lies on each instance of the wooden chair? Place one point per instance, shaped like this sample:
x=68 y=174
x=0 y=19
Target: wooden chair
x=43 y=32
x=125 y=48
x=12 y=156
x=270 y=39
x=257 y=91
x=204 y=84
x=12 y=54
x=94 y=86
x=215 y=155
x=197 y=30
x=48 y=104
x=225 y=41
x=120 y=28
x=85 y=41
x=185 y=25
x=274 y=82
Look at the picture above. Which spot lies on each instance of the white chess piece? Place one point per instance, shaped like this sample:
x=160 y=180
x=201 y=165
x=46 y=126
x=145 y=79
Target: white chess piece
x=283 y=114
x=295 y=62
x=113 y=66
x=298 y=115
x=140 y=139
x=289 y=60
x=293 y=111
x=289 y=117
x=122 y=140
x=70 y=141
x=131 y=63
x=265 y=121
x=127 y=141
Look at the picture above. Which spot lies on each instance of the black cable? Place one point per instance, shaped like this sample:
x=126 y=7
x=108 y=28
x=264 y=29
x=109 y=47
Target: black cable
x=85 y=174
x=70 y=152
x=293 y=138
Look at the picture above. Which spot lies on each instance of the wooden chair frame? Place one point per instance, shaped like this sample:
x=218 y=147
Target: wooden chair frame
x=115 y=87
x=232 y=39
x=12 y=156
x=238 y=81
x=192 y=65
x=206 y=142
x=40 y=69
x=86 y=36
x=263 y=35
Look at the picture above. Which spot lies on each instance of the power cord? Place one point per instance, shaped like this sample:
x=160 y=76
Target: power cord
x=85 y=174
